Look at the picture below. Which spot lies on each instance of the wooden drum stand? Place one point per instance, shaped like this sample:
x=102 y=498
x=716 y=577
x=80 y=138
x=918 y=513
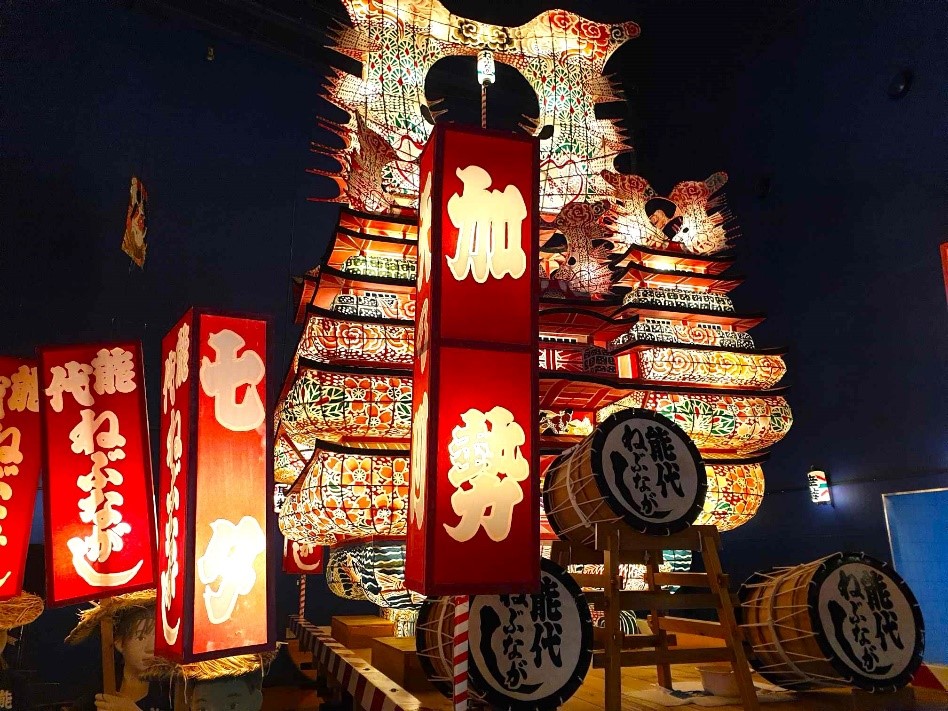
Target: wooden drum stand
x=613 y=546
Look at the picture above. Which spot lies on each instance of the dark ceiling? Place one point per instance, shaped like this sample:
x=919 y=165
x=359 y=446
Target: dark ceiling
x=687 y=47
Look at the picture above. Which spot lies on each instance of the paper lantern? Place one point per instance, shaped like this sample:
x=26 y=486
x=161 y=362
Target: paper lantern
x=735 y=492
x=336 y=340
x=720 y=425
x=215 y=593
x=701 y=367
x=475 y=461
x=347 y=492
x=19 y=467
x=377 y=568
x=341 y=576
x=99 y=503
x=328 y=405
x=818 y=483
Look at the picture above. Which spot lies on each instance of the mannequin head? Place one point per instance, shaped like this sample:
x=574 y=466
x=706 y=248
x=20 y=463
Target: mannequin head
x=234 y=693
x=135 y=639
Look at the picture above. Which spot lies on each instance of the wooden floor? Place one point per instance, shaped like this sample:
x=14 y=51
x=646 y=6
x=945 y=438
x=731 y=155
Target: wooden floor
x=589 y=697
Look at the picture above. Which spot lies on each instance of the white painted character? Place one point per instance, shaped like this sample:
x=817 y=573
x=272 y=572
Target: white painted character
x=229 y=373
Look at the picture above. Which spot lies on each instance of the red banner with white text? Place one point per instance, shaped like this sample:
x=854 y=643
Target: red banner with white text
x=19 y=467
x=99 y=502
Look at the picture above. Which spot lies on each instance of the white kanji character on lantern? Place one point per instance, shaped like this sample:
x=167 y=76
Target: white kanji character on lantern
x=86 y=437
x=6 y=699
x=114 y=371
x=6 y=493
x=74 y=379
x=4 y=384
x=228 y=373
x=486 y=469
x=24 y=393
x=229 y=561
x=424 y=234
x=182 y=351
x=489 y=224
x=168 y=387
x=419 y=462
x=10 y=454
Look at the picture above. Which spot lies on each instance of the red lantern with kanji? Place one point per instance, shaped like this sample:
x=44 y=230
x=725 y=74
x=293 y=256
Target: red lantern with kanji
x=19 y=467
x=215 y=588
x=474 y=502
x=99 y=502
x=302 y=558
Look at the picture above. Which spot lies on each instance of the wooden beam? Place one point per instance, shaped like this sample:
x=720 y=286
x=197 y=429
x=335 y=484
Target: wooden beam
x=658 y=600
x=694 y=580
x=648 y=657
x=684 y=625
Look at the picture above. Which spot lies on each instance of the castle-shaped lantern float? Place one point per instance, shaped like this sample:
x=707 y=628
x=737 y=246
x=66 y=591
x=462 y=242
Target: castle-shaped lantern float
x=634 y=309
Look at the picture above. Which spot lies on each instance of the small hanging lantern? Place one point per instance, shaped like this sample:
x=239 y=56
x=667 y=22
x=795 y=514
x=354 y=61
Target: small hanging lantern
x=486 y=73
x=819 y=486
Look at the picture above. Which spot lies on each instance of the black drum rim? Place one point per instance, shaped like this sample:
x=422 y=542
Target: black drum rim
x=846 y=672
x=650 y=528
x=497 y=700
x=431 y=673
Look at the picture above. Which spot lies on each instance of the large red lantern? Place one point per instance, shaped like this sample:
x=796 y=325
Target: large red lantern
x=474 y=501
x=215 y=589
x=99 y=502
x=19 y=467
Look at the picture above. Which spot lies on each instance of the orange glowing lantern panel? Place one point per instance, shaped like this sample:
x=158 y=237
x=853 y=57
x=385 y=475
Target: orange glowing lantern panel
x=474 y=500
x=19 y=467
x=215 y=589
x=99 y=503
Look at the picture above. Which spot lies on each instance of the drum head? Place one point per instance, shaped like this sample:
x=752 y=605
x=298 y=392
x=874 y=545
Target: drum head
x=531 y=651
x=867 y=621
x=649 y=471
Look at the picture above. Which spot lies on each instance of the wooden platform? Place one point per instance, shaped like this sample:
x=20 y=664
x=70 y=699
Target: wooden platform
x=351 y=670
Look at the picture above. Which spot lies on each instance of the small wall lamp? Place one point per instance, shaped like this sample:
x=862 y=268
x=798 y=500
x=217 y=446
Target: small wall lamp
x=819 y=486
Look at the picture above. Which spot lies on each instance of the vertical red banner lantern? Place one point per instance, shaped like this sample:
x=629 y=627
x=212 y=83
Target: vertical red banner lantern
x=474 y=503
x=99 y=501
x=19 y=467
x=943 y=249
x=215 y=590
x=301 y=558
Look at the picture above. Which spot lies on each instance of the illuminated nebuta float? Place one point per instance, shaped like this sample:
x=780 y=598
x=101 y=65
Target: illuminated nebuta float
x=634 y=309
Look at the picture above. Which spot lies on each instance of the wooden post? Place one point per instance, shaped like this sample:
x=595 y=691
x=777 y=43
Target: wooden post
x=663 y=669
x=106 y=632
x=614 y=636
x=710 y=544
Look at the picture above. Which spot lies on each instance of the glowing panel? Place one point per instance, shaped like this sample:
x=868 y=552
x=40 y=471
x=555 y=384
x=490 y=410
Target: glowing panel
x=99 y=503
x=336 y=340
x=474 y=507
x=19 y=467
x=328 y=405
x=215 y=591
x=347 y=493
x=374 y=570
x=735 y=492
x=700 y=367
x=302 y=558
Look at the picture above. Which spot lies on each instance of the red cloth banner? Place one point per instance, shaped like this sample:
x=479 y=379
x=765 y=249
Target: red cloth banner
x=19 y=467
x=301 y=558
x=215 y=589
x=474 y=502
x=99 y=502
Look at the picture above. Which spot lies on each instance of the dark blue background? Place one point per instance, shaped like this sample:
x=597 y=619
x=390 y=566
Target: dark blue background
x=842 y=251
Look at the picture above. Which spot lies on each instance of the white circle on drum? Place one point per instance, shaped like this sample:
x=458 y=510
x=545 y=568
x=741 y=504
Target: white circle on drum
x=525 y=647
x=867 y=621
x=650 y=470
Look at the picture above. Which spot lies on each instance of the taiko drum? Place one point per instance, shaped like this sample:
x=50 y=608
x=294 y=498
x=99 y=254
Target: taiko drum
x=638 y=471
x=844 y=620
